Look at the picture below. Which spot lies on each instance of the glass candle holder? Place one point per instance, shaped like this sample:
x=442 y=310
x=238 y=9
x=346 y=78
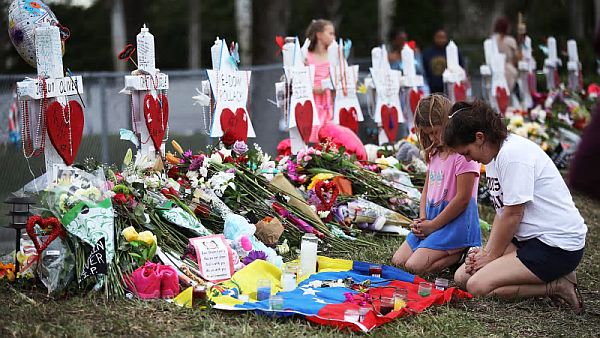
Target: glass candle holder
x=424 y=289
x=400 y=298
x=199 y=297
x=351 y=315
x=362 y=313
x=441 y=284
x=276 y=303
x=263 y=289
x=387 y=305
x=375 y=270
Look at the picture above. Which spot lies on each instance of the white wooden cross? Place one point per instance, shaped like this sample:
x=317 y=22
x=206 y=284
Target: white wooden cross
x=551 y=64
x=495 y=87
x=300 y=108
x=574 y=67
x=454 y=75
x=526 y=81
x=149 y=103
x=410 y=83
x=50 y=86
x=346 y=108
x=386 y=82
x=229 y=88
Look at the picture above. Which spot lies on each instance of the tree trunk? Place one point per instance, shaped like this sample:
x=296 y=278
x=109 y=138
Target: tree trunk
x=328 y=9
x=576 y=19
x=243 y=24
x=118 y=32
x=387 y=9
x=265 y=50
x=194 y=34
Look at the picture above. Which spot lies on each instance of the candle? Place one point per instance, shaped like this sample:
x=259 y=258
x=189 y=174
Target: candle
x=199 y=297
x=308 y=254
x=552 y=56
x=288 y=51
x=263 y=289
x=288 y=277
x=424 y=289
x=400 y=298
x=572 y=50
x=375 y=270
x=408 y=61
x=276 y=303
x=145 y=51
x=387 y=305
x=452 y=56
x=441 y=284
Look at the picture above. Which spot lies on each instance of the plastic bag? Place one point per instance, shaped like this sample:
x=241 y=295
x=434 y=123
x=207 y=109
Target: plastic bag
x=56 y=266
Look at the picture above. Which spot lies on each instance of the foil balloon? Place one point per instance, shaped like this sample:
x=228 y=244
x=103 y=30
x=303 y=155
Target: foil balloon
x=23 y=17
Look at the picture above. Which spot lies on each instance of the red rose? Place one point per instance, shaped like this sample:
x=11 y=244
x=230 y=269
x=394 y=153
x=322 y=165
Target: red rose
x=120 y=198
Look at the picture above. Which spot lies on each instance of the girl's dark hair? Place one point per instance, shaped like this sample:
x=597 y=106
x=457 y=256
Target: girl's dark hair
x=431 y=111
x=316 y=26
x=466 y=119
x=502 y=26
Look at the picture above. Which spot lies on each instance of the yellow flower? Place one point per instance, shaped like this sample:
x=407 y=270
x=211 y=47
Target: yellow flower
x=147 y=237
x=177 y=147
x=130 y=234
x=319 y=177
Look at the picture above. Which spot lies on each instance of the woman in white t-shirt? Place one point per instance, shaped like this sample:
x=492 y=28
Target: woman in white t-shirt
x=538 y=236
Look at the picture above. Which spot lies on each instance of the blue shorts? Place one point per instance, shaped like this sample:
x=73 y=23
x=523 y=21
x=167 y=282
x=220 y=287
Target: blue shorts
x=548 y=263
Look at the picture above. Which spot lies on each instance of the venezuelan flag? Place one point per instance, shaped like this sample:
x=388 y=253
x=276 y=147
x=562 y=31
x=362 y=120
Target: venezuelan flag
x=323 y=297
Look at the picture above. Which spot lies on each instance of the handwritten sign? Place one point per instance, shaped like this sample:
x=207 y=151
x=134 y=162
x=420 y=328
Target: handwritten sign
x=48 y=51
x=387 y=86
x=230 y=89
x=96 y=262
x=32 y=89
x=147 y=82
x=214 y=257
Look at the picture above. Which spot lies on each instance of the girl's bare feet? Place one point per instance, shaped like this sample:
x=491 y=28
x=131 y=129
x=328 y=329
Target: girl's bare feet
x=566 y=288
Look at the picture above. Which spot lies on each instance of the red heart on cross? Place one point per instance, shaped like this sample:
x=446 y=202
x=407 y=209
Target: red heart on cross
x=413 y=99
x=234 y=126
x=330 y=188
x=65 y=128
x=304 y=119
x=349 y=119
x=45 y=224
x=389 y=120
x=502 y=99
x=460 y=92
x=156 y=113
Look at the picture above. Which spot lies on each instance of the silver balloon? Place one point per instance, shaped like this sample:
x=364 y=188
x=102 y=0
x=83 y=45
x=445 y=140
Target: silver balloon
x=23 y=17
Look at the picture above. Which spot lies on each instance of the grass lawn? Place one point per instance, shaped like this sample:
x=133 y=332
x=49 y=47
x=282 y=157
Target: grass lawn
x=25 y=313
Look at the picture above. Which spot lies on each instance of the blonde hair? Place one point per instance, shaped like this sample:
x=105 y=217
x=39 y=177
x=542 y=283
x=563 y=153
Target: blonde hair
x=432 y=111
x=316 y=26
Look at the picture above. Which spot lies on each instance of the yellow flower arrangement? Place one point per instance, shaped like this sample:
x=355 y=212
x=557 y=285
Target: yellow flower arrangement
x=319 y=177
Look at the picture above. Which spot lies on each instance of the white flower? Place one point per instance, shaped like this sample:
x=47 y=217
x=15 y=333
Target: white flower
x=171 y=183
x=216 y=158
x=226 y=152
x=203 y=171
x=152 y=182
x=220 y=182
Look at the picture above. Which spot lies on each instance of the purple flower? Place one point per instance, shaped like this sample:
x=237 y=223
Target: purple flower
x=230 y=171
x=196 y=162
x=188 y=153
x=240 y=147
x=291 y=171
x=254 y=255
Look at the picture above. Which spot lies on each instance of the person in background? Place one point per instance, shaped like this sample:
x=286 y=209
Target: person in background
x=507 y=45
x=321 y=34
x=434 y=61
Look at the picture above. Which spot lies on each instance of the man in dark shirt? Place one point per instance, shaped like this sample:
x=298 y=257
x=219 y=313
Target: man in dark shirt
x=434 y=61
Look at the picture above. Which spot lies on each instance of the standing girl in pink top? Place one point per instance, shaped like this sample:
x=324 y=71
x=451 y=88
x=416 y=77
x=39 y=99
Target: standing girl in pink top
x=321 y=34
x=448 y=219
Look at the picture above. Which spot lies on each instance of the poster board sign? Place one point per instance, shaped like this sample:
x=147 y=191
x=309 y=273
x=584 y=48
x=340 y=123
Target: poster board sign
x=214 y=255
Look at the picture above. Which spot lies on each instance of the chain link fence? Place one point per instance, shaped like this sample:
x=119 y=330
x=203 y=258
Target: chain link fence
x=106 y=111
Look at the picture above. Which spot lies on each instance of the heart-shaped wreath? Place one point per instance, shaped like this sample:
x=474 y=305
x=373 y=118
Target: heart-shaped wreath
x=322 y=189
x=50 y=226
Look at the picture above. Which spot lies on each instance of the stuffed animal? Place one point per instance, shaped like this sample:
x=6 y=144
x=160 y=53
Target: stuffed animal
x=241 y=234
